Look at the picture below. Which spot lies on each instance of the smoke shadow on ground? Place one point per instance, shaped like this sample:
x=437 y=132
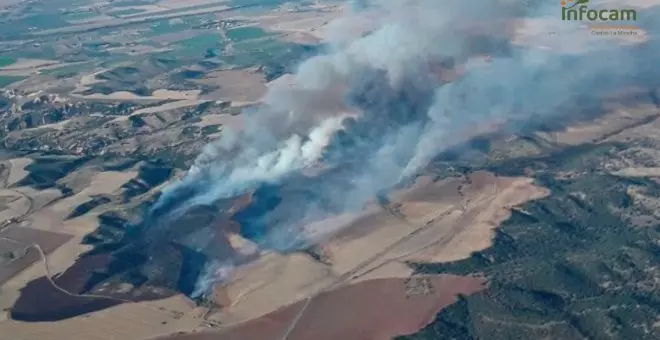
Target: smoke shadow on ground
x=40 y=301
x=298 y=198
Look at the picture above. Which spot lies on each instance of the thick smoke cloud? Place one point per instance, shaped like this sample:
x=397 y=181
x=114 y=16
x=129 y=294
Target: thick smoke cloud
x=377 y=107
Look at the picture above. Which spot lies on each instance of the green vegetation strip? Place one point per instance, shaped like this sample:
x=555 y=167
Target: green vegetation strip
x=6 y=61
x=560 y=264
x=80 y=16
x=6 y=80
x=246 y=33
x=198 y=45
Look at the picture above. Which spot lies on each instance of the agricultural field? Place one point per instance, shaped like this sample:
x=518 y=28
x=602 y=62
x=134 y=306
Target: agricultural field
x=102 y=104
x=175 y=170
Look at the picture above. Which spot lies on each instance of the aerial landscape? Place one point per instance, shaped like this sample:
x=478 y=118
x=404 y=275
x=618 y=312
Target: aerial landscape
x=329 y=169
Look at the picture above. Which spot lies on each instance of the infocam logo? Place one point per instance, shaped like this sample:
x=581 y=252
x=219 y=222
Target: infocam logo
x=582 y=12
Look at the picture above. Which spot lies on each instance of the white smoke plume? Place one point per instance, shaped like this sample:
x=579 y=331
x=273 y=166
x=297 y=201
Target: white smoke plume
x=377 y=106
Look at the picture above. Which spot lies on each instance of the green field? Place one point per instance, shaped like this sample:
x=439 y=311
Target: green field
x=80 y=16
x=266 y=45
x=23 y=26
x=200 y=41
x=6 y=61
x=276 y=56
x=44 y=21
x=246 y=33
x=41 y=52
x=198 y=45
x=6 y=80
x=68 y=71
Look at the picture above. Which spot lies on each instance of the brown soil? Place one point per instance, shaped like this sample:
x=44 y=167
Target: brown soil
x=375 y=309
x=22 y=249
x=40 y=300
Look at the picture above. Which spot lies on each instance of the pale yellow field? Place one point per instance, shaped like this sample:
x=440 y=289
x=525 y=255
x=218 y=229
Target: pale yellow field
x=127 y=321
x=17 y=170
x=431 y=222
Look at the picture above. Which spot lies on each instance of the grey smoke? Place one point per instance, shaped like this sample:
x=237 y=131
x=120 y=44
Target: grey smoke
x=374 y=111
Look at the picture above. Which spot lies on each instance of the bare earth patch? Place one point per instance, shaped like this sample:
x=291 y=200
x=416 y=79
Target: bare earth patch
x=23 y=64
x=433 y=221
x=16 y=253
x=246 y=85
x=13 y=204
x=18 y=171
x=638 y=172
x=164 y=107
x=156 y=95
x=102 y=183
x=127 y=321
x=628 y=114
x=302 y=27
x=376 y=309
x=552 y=34
x=232 y=122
